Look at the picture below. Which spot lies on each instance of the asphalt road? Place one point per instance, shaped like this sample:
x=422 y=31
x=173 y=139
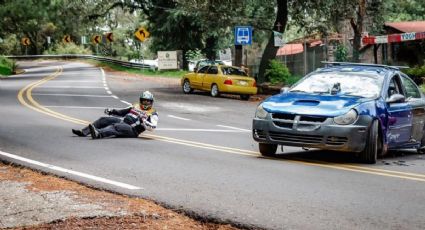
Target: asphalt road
x=202 y=158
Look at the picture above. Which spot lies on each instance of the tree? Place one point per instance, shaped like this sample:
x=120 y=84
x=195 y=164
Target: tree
x=270 y=50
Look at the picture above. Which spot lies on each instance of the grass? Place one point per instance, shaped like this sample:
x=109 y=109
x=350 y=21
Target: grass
x=4 y=70
x=422 y=87
x=147 y=72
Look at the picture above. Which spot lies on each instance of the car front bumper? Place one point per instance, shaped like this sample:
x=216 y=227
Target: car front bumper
x=323 y=135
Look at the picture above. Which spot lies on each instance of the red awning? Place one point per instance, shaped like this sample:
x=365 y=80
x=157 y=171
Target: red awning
x=407 y=27
x=290 y=49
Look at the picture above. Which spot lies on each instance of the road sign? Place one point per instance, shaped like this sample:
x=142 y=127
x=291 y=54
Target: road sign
x=278 y=40
x=96 y=39
x=25 y=41
x=141 y=34
x=109 y=37
x=243 y=35
x=66 y=39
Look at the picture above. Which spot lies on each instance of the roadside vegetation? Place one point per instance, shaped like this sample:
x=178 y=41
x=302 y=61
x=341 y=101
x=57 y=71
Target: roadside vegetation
x=7 y=66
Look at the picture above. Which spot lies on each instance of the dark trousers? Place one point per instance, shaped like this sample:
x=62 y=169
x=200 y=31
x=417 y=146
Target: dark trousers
x=112 y=127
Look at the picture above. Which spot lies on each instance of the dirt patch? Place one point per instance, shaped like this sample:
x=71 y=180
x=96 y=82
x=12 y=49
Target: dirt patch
x=36 y=201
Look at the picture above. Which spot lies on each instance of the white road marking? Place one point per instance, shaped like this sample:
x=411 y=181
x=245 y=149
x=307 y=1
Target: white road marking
x=82 y=81
x=230 y=127
x=70 y=95
x=72 y=172
x=72 y=107
x=180 y=118
x=128 y=103
x=200 y=130
x=70 y=87
x=109 y=92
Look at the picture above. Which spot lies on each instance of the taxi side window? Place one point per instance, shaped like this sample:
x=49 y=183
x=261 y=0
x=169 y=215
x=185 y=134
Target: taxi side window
x=213 y=70
x=410 y=87
x=203 y=69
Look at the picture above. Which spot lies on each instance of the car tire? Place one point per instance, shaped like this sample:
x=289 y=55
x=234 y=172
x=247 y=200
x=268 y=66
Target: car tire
x=373 y=146
x=186 y=87
x=245 y=97
x=267 y=150
x=214 y=91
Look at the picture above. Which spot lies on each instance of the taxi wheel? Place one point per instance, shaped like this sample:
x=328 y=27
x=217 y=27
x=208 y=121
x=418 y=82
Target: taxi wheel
x=373 y=145
x=214 y=91
x=245 y=97
x=267 y=150
x=186 y=87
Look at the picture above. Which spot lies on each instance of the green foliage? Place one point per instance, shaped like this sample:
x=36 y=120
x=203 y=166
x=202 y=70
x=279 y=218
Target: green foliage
x=396 y=11
x=71 y=48
x=10 y=45
x=416 y=73
x=277 y=72
x=341 y=54
x=194 y=55
x=7 y=66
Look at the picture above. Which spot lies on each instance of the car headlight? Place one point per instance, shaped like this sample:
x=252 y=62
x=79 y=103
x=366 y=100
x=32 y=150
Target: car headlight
x=261 y=112
x=347 y=119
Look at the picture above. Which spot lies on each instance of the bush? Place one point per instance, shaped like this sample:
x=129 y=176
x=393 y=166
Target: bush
x=277 y=73
x=71 y=48
x=417 y=74
x=7 y=66
x=341 y=54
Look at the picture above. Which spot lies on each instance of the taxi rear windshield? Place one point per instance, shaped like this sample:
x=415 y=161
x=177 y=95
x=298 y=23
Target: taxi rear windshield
x=227 y=70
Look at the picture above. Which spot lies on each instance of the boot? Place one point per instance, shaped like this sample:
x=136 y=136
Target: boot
x=94 y=133
x=78 y=132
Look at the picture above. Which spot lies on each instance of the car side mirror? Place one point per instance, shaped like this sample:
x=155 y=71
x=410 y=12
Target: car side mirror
x=195 y=69
x=284 y=90
x=396 y=98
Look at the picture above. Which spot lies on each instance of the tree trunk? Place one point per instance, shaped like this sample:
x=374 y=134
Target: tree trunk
x=270 y=50
x=358 y=29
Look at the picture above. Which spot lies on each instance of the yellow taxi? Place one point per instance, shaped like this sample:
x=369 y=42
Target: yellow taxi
x=220 y=79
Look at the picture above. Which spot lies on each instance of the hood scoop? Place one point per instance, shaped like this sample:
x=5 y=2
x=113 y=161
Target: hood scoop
x=306 y=102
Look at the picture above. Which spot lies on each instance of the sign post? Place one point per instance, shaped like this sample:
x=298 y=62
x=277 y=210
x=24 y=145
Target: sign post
x=243 y=36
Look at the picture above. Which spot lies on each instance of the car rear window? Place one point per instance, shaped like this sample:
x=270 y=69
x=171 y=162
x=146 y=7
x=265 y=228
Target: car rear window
x=227 y=70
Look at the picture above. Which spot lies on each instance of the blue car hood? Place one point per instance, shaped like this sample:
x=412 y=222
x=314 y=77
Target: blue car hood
x=311 y=104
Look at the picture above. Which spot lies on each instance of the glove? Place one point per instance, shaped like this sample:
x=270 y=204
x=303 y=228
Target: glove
x=108 y=111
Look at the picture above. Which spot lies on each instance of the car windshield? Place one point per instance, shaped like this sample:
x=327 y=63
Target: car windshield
x=353 y=84
x=227 y=70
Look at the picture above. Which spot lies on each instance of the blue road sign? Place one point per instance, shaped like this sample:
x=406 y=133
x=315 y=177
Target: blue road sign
x=243 y=35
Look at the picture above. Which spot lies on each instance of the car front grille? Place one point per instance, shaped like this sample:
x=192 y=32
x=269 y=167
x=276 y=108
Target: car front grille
x=308 y=139
x=301 y=118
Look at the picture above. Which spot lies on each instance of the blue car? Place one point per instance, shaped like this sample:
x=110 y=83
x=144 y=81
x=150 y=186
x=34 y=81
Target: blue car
x=362 y=108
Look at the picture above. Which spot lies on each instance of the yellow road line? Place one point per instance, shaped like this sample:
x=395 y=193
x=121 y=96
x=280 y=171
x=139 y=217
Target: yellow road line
x=346 y=167
x=37 y=107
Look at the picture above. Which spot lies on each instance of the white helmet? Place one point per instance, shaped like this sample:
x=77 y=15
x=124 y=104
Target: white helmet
x=146 y=100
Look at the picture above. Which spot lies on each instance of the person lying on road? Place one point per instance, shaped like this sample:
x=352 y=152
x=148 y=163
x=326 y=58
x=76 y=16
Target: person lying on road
x=128 y=122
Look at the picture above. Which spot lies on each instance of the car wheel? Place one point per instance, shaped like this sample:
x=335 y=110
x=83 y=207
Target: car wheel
x=245 y=97
x=186 y=87
x=214 y=91
x=267 y=150
x=373 y=146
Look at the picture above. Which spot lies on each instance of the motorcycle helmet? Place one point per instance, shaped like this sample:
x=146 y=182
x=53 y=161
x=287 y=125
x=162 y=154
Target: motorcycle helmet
x=146 y=100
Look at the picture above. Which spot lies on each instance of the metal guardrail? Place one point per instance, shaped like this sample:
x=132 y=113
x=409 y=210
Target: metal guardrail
x=82 y=56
